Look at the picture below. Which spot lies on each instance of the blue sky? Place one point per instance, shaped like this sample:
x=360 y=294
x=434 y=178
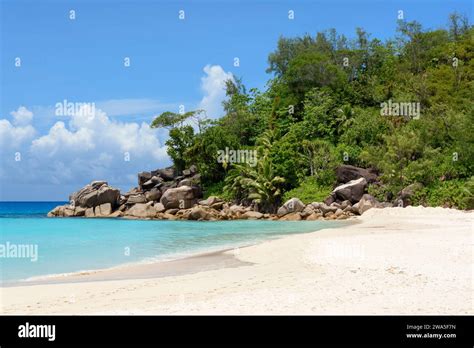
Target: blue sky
x=172 y=62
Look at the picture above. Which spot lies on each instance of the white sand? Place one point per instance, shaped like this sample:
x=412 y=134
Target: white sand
x=395 y=261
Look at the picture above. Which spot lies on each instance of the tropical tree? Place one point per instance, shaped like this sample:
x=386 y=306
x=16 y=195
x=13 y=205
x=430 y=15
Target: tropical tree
x=257 y=184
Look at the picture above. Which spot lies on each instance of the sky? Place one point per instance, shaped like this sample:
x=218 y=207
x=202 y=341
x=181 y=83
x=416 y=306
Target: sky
x=128 y=61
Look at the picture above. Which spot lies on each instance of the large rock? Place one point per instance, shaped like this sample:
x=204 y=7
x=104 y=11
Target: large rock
x=167 y=185
x=94 y=194
x=166 y=173
x=136 y=198
x=153 y=195
x=330 y=199
x=326 y=209
x=198 y=213
x=179 y=197
x=160 y=208
x=103 y=209
x=98 y=183
x=352 y=191
x=210 y=201
x=293 y=205
x=346 y=173
x=142 y=210
x=314 y=216
x=404 y=197
x=62 y=211
x=366 y=202
x=153 y=182
x=252 y=215
x=79 y=211
x=291 y=217
x=143 y=177
x=307 y=211
x=89 y=212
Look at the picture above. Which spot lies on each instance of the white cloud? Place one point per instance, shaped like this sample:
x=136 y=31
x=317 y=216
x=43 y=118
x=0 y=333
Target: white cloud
x=79 y=148
x=78 y=151
x=22 y=116
x=213 y=86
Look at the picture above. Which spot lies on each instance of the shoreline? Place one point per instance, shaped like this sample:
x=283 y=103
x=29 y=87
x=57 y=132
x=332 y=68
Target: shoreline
x=394 y=261
x=136 y=270
x=152 y=267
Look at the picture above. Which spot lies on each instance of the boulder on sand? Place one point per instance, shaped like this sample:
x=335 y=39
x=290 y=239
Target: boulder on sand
x=351 y=191
x=366 y=202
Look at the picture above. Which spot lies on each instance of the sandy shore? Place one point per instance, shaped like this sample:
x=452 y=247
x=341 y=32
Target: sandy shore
x=395 y=261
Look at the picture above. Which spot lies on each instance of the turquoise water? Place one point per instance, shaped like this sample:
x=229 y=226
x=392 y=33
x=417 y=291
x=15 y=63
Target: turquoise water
x=66 y=245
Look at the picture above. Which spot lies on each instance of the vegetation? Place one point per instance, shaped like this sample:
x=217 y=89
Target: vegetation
x=324 y=106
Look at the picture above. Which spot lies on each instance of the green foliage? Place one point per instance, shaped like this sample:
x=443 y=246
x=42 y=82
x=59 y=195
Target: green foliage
x=257 y=184
x=309 y=191
x=170 y=119
x=180 y=141
x=217 y=189
x=322 y=108
x=453 y=193
x=322 y=159
x=204 y=152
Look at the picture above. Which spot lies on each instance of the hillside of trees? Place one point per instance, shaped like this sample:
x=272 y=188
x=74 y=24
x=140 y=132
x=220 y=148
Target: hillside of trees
x=322 y=108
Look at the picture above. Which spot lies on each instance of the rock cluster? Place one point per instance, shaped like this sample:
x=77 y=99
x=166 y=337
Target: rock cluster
x=158 y=191
x=167 y=194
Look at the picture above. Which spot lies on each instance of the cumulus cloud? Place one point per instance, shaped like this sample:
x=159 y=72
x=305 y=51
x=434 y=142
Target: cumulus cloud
x=22 y=116
x=13 y=135
x=78 y=149
x=213 y=86
x=58 y=156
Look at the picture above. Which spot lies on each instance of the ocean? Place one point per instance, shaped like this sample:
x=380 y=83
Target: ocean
x=33 y=245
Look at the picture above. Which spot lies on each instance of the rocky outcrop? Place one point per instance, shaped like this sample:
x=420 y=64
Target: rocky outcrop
x=346 y=173
x=170 y=195
x=94 y=194
x=351 y=191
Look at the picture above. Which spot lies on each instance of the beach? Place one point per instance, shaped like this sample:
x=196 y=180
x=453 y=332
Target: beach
x=410 y=260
